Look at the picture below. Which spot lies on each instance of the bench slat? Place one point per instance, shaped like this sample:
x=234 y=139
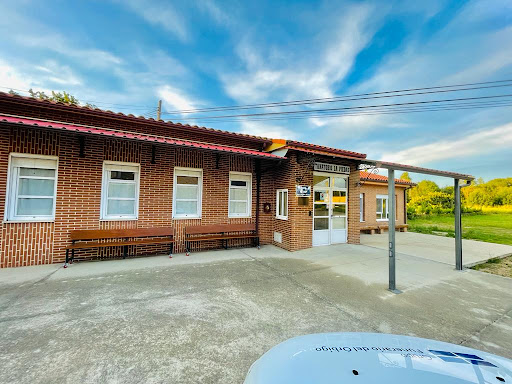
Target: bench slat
x=219 y=228
x=369 y=228
x=94 y=234
x=97 y=244
x=221 y=237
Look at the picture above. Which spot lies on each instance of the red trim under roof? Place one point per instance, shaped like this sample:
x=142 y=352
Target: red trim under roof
x=326 y=150
x=134 y=136
x=366 y=176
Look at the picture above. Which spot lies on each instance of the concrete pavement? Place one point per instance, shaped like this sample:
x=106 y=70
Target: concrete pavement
x=207 y=317
x=439 y=248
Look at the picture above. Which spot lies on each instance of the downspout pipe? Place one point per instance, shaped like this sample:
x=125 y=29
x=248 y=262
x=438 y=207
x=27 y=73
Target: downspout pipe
x=258 y=187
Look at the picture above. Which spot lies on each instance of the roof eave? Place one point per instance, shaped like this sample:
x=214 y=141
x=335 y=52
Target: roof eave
x=334 y=151
x=127 y=117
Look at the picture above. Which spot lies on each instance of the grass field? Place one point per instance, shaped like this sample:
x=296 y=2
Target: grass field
x=492 y=228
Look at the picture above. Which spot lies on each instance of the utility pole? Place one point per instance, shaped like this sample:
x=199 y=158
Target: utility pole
x=159 y=110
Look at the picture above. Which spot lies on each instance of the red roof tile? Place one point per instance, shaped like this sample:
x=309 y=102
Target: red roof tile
x=366 y=176
x=135 y=136
x=129 y=117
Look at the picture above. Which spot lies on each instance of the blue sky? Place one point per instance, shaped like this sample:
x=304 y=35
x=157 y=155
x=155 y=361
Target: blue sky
x=206 y=53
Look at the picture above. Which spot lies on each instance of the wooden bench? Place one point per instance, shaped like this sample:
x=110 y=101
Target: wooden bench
x=379 y=228
x=223 y=232
x=95 y=238
x=369 y=228
x=398 y=227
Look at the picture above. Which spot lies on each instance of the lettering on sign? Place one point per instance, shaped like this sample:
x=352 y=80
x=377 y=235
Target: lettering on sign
x=335 y=168
x=302 y=190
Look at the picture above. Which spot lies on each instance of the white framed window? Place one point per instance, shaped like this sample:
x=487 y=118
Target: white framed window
x=120 y=191
x=31 y=188
x=361 y=207
x=382 y=208
x=240 y=190
x=282 y=204
x=187 y=193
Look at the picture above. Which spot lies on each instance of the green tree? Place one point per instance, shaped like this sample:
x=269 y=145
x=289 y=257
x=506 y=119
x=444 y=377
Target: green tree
x=449 y=189
x=495 y=192
x=405 y=176
x=423 y=188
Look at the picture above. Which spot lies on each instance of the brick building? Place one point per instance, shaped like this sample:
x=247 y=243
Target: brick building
x=373 y=203
x=65 y=167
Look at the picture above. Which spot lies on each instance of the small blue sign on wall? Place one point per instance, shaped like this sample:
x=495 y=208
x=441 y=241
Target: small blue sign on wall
x=303 y=190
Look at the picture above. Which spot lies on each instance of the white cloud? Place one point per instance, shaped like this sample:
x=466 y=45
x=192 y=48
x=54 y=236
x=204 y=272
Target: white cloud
x=59 y=74
x=493 y=61
x=213 y=10
x=89 y=57
x=266 y=130
x=289 y=74
x=11 y=78
x=460 y=52
x=175 y=98
x=479 y=143
x=161 y=14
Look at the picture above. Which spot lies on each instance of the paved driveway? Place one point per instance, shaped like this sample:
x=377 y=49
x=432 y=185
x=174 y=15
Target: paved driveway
x=439 y=248
x=207 y=317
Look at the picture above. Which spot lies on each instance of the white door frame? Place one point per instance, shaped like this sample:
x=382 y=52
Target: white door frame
x=330 y=205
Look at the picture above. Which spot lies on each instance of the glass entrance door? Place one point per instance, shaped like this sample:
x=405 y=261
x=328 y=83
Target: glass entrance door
x=339 y=210
x=329 y=209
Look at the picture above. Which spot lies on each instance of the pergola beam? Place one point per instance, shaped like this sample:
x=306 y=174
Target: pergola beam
x=426 y=171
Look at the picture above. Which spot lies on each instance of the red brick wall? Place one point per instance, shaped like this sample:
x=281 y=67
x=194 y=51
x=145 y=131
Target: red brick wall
x=79 y=193
x=80 y=180
x=297 y=231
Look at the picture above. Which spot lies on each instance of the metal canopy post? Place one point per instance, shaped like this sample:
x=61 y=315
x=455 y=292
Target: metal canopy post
x=391 y=228
x=458 y=227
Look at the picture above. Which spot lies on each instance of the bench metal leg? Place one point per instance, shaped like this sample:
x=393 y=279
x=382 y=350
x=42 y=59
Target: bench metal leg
x=170 y=250
x=225 y=243
x=67 y=258
x=72 y=256
x=187 y=248
x=125 y=251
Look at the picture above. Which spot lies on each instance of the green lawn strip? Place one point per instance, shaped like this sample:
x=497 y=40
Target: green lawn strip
x=492 y=228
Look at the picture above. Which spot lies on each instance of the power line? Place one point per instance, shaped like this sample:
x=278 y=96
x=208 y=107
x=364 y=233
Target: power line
x=397 y=112
x=362 y=96
x=339 y=109
x=369 y=113
x=327 y=112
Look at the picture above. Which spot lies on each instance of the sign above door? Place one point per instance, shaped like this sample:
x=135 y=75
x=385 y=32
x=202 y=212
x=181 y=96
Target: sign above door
x=334 y=168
